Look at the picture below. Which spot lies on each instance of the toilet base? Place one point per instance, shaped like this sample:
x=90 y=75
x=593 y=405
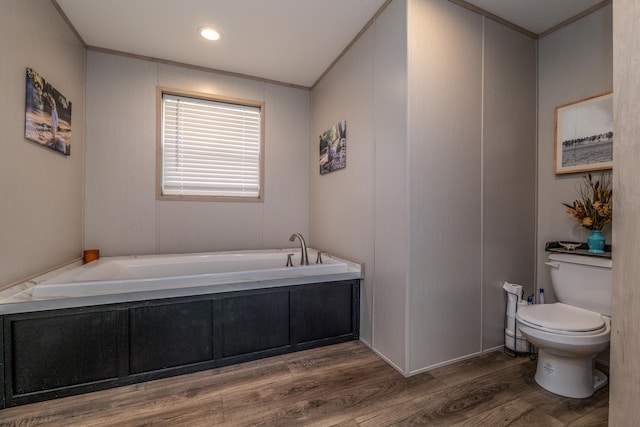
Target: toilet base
x=568 y=376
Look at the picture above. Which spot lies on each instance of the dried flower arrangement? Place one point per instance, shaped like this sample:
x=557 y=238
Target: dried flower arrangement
x=593 y=209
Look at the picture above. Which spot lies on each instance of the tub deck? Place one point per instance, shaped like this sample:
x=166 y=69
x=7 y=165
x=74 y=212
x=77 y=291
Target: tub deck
x=135 y=278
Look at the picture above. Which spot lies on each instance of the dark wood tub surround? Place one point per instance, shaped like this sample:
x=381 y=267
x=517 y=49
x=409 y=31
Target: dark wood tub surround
x=56 y=353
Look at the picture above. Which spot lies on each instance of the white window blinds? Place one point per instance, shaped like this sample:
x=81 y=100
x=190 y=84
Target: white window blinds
x=210 y=148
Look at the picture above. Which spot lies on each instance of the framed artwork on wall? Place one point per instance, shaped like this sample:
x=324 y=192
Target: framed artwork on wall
x=584 y=135
x=333 y=148
x=47 y=115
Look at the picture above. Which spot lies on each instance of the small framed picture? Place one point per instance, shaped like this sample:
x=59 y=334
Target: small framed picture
x=47 y=115
x=333 y=148
x=584 y=135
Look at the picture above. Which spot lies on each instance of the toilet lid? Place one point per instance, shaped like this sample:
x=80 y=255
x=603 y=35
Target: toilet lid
x=561 y=317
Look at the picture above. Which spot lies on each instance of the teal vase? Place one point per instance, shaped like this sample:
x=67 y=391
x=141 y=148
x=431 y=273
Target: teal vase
x=595 y=242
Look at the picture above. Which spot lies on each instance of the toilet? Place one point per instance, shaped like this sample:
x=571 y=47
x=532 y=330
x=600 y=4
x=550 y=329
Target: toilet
x=569 y=333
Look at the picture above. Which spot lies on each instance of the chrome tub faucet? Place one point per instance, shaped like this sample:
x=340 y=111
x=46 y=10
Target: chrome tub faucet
x=304 y=259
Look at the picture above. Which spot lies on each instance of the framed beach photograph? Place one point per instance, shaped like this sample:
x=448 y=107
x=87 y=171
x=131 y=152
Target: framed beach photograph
x=584 y=135
x=47 y=115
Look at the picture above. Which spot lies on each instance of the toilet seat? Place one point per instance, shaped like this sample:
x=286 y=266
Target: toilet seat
x=563 y=319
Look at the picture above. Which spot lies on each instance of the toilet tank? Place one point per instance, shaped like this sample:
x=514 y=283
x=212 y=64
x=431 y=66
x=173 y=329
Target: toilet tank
x=582 y=281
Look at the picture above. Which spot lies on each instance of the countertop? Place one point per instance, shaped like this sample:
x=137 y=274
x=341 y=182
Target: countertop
x=583 y=249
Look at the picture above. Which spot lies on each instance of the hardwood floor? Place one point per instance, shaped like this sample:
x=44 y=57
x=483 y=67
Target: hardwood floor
x=341 y=385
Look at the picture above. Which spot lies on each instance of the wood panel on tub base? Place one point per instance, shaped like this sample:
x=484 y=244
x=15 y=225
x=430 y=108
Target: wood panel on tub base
x=57 y=353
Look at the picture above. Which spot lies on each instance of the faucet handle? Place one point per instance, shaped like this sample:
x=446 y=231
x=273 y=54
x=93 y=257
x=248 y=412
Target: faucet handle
x=319 y=257
x=289 y=261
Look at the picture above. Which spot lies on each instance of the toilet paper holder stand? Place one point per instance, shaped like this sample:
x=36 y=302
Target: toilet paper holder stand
x=515 y=345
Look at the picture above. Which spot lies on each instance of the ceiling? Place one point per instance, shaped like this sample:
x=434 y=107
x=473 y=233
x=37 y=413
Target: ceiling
x=536 y=16
x=288 y=41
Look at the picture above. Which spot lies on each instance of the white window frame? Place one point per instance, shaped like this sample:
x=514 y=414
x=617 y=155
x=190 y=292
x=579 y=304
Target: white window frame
x=160 y=147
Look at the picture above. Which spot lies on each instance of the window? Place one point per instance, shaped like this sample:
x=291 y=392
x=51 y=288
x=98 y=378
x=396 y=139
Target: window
x=210 y=148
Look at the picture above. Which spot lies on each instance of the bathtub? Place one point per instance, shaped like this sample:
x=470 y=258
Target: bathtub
x=141 y=318
x=215 y=271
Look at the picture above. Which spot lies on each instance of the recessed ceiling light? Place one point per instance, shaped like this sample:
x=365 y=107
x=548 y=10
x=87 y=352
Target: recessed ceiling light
x=209 y=33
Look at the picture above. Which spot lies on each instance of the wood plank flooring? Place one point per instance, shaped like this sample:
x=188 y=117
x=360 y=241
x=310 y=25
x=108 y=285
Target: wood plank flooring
x=342 y=385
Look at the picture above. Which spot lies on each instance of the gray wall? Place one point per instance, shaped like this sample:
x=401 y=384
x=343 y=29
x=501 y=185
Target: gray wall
x=508 y=171
x=472 y=162
x=574 y=63
x=425 y=174
x=122 y=213
x=40 y=190
x=391 y=192
x=344 y=203
x=625 y=335
x=445 y=134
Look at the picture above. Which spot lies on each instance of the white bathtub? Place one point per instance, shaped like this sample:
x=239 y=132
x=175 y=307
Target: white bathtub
x=118 y=275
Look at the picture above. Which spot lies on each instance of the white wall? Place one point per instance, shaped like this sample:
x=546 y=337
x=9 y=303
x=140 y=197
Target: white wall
x=472 y=162
x=574 y=63
x=391 y=193
x=445 y=144
x=415 y=173
x=40 y=190
x=508 y=171
x=122 y=213
x=341 y=220
x=624 y=383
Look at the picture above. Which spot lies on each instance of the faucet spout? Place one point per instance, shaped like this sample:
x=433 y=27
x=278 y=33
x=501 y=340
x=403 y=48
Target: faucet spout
x=304 y=259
